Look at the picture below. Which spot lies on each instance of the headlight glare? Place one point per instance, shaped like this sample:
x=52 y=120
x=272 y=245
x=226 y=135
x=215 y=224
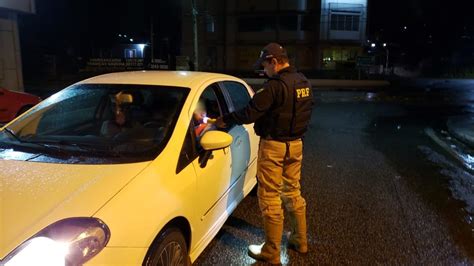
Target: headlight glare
x=70 y=241
x=40 y=251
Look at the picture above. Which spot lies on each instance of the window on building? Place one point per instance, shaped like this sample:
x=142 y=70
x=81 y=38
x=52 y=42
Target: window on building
x=288 y=23
x=309 y=22
x=130 y=53
x=256 y=24
x=343 y=22
x=341 y=53
x=210 y=24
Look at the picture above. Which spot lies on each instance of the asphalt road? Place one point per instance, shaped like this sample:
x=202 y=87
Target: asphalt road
x=379 y=189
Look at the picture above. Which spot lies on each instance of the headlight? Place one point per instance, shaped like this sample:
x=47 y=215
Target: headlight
x=41 y=251
x=71 y=241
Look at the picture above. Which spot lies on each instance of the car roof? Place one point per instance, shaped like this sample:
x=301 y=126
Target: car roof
x=165 y=78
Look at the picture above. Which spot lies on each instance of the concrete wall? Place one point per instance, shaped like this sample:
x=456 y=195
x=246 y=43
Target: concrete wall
x=27 y=6
x=11 y=76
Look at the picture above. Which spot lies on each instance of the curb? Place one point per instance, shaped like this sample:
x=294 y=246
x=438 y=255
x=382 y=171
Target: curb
x=462 y=128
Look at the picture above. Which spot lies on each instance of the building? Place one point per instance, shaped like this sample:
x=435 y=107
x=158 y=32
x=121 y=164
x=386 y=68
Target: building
x=232 y=33
x=11 y=76
x=342 y=32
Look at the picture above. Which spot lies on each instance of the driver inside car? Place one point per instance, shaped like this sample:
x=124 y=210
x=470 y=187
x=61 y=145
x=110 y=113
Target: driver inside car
x=122 y=124
x=202 y=122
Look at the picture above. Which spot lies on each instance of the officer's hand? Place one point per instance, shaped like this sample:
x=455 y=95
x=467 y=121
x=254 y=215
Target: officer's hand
x=220 y=122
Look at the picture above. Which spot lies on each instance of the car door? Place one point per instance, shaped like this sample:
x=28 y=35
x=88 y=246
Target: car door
x=237 y=97
x=213 y=177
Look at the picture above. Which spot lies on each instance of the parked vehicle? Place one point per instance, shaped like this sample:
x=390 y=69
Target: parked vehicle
x=110 y=171
x=13 y=104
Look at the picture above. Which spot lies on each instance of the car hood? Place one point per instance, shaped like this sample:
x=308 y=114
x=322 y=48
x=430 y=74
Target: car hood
x=35 y=195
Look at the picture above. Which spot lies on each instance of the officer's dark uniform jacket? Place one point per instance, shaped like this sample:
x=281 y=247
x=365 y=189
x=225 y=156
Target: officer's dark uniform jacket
x=281 y=110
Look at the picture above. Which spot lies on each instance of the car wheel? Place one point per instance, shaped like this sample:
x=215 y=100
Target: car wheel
x=168 y=249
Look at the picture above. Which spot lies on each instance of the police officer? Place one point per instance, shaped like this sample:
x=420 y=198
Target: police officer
x=281 y=111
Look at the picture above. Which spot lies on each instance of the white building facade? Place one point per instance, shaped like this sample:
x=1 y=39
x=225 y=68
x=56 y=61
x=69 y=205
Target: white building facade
x=343 y=29
x=343 y=20
x=11 y=75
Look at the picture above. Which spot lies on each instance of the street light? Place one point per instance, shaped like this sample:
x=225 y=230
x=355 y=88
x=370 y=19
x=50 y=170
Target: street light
x=141 y=46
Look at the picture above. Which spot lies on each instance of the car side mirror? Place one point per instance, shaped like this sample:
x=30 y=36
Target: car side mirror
x=215 y=140
x=210 y=141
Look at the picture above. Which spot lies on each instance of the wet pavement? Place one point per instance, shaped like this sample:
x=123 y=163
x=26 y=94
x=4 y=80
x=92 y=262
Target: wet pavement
x=386 y=179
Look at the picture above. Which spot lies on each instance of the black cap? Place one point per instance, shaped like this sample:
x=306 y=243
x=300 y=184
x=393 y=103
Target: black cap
x=271 y=50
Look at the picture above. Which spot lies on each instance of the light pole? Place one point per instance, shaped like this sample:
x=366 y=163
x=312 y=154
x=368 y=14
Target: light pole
x=386 y=57
x=195 y=31
x=152 y=39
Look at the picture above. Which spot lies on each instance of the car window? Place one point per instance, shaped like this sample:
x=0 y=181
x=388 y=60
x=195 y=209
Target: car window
x=188 y=150
x=238 y=93
x=211 y=102
x=122 y=123
x=207 y=109
x=73 y=112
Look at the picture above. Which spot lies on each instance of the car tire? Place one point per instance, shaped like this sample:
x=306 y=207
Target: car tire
x=168 y=249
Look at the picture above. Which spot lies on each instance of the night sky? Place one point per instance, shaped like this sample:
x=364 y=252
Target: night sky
x=440 y=18
x=79 y=23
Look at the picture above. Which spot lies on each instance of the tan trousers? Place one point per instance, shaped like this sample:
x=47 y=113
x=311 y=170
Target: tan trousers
x=278 y=175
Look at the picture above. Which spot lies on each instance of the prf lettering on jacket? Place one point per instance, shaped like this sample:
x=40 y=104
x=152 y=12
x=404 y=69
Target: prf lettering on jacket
x=302 y=93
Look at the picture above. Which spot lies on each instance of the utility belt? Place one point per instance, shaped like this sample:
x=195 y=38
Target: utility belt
x=282 y=139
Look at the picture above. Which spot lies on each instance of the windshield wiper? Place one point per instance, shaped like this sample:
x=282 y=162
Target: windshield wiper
x=47 y=146
x=56 y=144
x=23 y=141
x=82 y=147
x=9 y=131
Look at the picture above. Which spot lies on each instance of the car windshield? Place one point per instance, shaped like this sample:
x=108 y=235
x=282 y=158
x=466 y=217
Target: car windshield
x=113 y=123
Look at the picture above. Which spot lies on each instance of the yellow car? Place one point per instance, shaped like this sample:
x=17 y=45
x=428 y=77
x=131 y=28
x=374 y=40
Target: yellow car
x=124 y=169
